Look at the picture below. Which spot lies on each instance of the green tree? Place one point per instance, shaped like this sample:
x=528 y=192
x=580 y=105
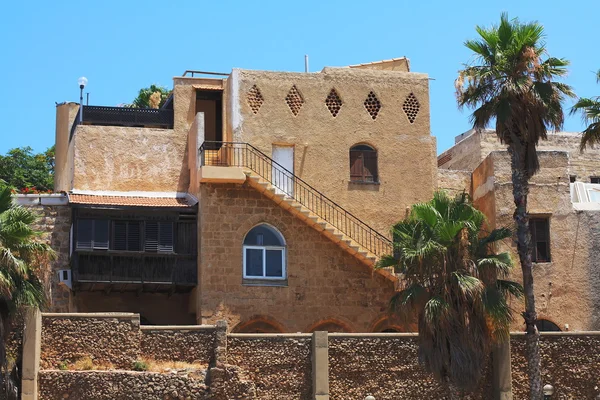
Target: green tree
x=511 y=81
x=143 y=98
x=23 y=169
x=22 y=258
x=589 y=107
x=454 y=285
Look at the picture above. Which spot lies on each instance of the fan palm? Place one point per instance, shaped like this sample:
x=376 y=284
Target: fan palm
x=454 y=285
x=589 y=107
x=20 y=256
x=512 y=81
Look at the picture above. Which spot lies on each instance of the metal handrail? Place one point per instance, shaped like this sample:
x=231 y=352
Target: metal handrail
x=240 y=154
x=192 y=72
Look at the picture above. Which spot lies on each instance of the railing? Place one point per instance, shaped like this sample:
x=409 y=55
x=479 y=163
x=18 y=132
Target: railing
x=124 y=116
x=232 y=154
x=192 y=72
x=120 y=267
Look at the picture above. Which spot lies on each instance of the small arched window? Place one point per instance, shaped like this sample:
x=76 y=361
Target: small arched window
x=264 y=253
x=363 y=164
x=544 y=325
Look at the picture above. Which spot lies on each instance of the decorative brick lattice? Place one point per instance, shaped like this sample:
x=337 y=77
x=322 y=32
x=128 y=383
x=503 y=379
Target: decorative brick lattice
x=373 y=105
x=411 y=107
x=255 y=99
x=333 y=102
x=294 y=100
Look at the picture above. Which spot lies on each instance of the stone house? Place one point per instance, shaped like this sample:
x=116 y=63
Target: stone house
x=564 y=212
x=262 y=198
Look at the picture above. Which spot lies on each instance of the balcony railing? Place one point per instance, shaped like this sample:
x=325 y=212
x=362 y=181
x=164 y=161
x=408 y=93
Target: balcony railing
x=245 y=155
x=123 y=116
x=138 y=268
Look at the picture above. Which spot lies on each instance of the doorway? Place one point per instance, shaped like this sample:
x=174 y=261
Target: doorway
x=282 y=172
x=210 y=102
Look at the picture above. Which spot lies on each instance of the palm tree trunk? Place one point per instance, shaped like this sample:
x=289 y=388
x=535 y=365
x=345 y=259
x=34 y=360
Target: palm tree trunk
x=520 y=181
x=452 y=390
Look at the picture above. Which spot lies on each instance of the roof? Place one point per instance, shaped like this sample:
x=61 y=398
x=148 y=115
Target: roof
x=400 y=63
x=132 y=201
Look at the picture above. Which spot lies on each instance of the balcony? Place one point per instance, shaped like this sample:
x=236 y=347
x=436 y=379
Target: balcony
x=123 y=116
x=124 y=271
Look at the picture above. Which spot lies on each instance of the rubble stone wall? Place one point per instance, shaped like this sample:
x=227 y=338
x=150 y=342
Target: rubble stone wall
x=279 y=365
x=570 y=363
x=189 y=344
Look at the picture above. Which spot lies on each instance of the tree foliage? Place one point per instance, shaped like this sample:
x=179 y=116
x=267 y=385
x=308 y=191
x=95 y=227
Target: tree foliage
x=27 y=171
x=453 y=284
x=589 y=108
x=147 y=97
x=23 y=260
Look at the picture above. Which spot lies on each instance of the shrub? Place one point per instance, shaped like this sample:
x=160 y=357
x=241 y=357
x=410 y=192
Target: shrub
x=140 y=366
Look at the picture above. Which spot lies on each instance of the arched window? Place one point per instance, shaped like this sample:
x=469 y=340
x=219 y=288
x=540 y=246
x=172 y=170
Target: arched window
x=264 y=253
x=363 y=164
x=544 y=325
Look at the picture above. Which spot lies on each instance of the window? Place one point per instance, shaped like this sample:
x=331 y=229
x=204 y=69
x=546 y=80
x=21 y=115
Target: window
x=540 y=239
x=159 y=237
x=127 y=236
x=543 y=325
x=264 y=253
x=92 y=234
x=594 y=179
x=363 y=164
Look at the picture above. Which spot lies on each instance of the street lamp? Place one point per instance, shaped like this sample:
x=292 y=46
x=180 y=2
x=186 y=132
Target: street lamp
x=548 y=391
x=369 y=397
x=82 y=82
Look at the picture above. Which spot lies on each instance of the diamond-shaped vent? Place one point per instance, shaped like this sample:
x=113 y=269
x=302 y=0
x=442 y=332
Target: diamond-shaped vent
x=294 y=100
x=255 y=99
x=372 y=105
x=333 y=102
x=411 y=107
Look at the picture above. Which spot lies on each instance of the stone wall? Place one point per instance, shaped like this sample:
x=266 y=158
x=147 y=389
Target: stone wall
x=193 y=344
x=385 y=366
x=324 y=282
x=570 y=363
x=454 y=181
x=107 y=339
x=279 y=366
x=118 y=385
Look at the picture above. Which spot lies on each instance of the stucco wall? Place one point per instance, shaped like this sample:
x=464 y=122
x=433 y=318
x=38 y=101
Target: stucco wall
x=63 y=153
x=453 y=181
x=570 y=363
x=113 y=158
x=465 y=155
x=324 y=281
x=567 y=288
x=406 y=152
x=279 y=366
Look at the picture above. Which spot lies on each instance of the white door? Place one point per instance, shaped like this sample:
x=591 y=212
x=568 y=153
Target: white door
x=282 y=179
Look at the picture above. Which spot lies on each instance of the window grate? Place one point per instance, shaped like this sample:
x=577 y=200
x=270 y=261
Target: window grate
x=294 y=100
x=411 y=107
x=255 y=99
x=333 y=102
x=372 y=105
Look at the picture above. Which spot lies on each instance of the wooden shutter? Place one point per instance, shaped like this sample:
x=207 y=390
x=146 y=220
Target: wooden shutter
x=370 y=166
x=85 y=234
x=120 y=235
x=356 y=165
x=540 y=239
x=151 y=243
x=101 y=234
x=133 y=236
x=165 y=240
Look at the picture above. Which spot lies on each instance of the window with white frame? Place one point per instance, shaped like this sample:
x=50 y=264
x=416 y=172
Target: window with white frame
x=264 y=253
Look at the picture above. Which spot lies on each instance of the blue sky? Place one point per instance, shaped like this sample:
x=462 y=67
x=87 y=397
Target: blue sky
x=121 y=46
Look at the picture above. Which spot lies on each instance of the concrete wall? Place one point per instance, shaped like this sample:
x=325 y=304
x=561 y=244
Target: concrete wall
x=324 y=282
x=406 y=151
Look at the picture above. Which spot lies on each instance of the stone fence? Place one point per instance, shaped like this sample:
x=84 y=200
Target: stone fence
x=319 y=366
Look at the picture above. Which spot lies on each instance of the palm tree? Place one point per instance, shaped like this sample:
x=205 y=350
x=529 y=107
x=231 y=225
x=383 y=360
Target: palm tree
x=589 y=107
x=147 y=97
x=20 y=254
x=454 y=285
x=511 y=81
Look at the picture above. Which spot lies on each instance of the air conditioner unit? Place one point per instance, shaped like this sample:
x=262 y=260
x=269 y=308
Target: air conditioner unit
x=64 y=277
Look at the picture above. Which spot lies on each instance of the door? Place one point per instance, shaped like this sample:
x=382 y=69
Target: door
x=283 y=169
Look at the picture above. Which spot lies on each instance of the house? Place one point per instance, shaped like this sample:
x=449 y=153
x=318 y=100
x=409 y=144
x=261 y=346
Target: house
x=261 y=198
x=564 y=219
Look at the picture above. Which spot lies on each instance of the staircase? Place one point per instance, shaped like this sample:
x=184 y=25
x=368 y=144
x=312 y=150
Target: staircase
x=300 y=199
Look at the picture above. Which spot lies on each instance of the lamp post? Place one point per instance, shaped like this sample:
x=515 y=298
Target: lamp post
x=82 y=82
x=548 y=391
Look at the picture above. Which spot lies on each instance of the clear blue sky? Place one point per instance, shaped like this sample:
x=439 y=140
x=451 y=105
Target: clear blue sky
x=121 y=46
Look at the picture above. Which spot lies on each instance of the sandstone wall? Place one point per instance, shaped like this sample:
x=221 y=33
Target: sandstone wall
x=570 y=363
x=192 y=344
x=321 y=142
x=324 y=282
x=454 y=181
x=279 y=366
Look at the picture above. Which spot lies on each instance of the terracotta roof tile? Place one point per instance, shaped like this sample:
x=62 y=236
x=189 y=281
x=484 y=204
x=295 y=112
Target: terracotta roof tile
x=133 y=201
